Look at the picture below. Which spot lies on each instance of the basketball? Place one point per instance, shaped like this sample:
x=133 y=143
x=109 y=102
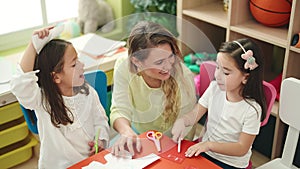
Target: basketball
x=273 y=13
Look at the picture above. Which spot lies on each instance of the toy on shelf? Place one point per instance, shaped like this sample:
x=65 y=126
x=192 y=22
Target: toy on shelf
x=71 y=30
x=271 y=13
x=93 y=14
x=277 y=84
x=194 y=60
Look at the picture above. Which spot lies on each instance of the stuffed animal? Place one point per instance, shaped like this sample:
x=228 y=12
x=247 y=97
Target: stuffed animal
x=93 y=14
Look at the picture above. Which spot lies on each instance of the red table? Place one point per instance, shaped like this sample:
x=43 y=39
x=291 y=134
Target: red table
x=168 y=154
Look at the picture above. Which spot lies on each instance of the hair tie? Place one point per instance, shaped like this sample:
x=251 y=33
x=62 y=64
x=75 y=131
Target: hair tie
x=248 y=56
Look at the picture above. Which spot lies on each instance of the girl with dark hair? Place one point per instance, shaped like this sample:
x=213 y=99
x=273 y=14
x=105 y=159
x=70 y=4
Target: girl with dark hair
x=50 y=81
x=152 y=87
x=235 y=103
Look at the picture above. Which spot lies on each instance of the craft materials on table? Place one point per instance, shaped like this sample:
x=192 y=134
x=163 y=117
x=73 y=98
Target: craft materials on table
x=96 y=141
x=179 y=145
x=155 y=136
x=114 y=162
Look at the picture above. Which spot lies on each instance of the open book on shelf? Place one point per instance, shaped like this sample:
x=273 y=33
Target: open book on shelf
x=96 y=46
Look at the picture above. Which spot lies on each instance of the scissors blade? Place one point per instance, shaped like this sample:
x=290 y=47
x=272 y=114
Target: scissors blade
x=157 y=144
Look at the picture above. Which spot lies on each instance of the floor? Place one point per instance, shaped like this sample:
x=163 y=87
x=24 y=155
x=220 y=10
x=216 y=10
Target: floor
x=257 y=158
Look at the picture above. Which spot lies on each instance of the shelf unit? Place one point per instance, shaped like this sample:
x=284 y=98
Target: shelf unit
x=219 y=25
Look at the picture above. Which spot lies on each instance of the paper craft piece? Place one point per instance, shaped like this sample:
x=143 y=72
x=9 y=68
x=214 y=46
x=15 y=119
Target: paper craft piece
x=174 y=158
x=114 y=162
x=40 y=43
x=184 y=146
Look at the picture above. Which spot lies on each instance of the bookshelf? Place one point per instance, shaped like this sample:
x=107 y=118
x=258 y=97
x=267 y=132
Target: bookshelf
x=220 y=25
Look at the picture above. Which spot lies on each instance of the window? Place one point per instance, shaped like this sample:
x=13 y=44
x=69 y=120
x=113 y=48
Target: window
x=21 y=17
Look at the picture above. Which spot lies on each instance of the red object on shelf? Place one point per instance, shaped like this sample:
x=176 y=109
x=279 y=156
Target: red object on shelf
x=271 y=13
x=277 y=84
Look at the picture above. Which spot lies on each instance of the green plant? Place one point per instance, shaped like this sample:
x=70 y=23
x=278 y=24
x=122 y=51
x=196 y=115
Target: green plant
x=159 y=11
x=164 y=6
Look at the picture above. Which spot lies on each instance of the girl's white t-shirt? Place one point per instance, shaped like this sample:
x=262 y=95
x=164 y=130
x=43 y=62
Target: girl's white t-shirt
x=226 y=121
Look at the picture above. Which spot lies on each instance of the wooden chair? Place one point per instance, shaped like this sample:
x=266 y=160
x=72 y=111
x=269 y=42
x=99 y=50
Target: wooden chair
x=289 y=114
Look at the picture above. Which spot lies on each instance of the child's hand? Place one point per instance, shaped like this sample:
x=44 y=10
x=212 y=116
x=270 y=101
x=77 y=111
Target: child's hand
x=93 y=149
x=42 y=36
x=178 y=130
x=197 y=149
x=42 y=33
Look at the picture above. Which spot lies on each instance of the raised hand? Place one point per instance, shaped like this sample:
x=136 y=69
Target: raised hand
x=42 y=36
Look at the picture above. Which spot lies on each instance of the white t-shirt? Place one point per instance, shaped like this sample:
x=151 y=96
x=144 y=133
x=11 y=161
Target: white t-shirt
x=226 y=121
x=67 y=145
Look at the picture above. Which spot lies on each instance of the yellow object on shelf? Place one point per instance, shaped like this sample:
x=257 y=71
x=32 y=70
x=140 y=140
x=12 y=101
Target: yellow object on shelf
x=10 y=112
x=18 y=155
x=13 y=134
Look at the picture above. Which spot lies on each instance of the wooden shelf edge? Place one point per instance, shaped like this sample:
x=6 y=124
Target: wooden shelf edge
x=294 y=49
x=275 y=36
x=212 y=13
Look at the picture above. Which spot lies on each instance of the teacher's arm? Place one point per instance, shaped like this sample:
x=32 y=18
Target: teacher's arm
x=121 y=110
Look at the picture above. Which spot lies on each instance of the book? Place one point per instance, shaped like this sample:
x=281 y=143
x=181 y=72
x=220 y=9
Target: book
x=96 y=46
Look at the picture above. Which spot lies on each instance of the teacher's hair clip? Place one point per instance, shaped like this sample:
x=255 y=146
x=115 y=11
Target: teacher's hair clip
x=248 y=56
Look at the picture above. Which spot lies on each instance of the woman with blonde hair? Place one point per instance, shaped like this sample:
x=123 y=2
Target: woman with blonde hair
x=152 y=87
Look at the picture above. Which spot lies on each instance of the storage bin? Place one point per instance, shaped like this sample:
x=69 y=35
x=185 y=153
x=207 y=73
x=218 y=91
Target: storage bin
x=13 y=134
x=19 y=155
x=10 y=112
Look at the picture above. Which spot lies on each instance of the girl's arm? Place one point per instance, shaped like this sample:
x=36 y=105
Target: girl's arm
x=239 y=148
x=195 y=115
x=28 y=59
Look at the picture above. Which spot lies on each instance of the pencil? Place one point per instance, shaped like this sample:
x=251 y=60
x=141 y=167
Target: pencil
x=96 y=141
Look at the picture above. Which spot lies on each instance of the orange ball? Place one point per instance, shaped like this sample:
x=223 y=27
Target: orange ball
x=273 y=13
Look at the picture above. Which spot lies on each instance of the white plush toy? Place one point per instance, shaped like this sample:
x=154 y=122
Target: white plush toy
x=93 y=14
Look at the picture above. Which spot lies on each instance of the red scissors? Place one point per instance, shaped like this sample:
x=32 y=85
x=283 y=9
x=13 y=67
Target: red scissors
x=155 y=137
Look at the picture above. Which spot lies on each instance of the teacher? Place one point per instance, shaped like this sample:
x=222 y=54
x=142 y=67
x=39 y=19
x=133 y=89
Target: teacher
x=152 y=87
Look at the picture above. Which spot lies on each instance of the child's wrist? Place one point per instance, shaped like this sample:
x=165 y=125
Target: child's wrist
x=210 y=146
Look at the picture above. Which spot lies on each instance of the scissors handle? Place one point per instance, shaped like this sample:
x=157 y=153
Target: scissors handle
x=155 y=137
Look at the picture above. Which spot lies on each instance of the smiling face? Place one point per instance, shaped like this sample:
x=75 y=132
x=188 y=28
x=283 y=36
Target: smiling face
x=72 y=73
x=157 y=66
x=228 y=76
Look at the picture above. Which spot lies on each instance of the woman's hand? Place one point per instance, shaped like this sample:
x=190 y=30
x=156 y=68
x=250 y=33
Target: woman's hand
x=93 y=149
x=197 y=149
x=178 y=130
x=125 y=143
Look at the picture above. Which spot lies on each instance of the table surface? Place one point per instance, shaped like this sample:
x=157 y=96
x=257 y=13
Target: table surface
x=168 y=155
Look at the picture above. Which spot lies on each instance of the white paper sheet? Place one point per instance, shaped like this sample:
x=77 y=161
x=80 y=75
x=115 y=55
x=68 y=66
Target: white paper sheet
x=114 y=162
